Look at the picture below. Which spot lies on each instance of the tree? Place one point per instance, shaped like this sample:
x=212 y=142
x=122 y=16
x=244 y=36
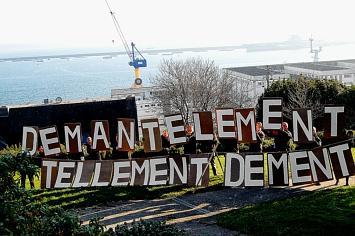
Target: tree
x=195 y=85
x=347 y=98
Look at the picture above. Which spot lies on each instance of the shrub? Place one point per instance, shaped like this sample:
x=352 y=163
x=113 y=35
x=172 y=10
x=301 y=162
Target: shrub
x=145 y=228
x=19 y=215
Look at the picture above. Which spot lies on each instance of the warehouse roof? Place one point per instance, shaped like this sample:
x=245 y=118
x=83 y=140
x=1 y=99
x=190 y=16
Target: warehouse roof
x=316 y=66
x=257 y=70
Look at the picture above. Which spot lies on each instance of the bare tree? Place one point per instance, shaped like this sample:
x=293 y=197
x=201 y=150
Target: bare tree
x=194 y=85
x=242 y=93
x=301 y=95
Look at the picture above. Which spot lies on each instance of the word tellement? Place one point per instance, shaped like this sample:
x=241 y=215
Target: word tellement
x=319 y=164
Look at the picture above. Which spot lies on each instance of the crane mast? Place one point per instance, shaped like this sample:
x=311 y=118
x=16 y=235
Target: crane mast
x=136 y=59
x=315 y=51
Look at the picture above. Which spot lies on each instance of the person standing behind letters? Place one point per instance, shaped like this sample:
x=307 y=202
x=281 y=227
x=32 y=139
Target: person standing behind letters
x=316 y=142
x=91 y=153
x=165 y=142
x=260 y=136
x=209 y=146
x=190 y=145
x=283 y=138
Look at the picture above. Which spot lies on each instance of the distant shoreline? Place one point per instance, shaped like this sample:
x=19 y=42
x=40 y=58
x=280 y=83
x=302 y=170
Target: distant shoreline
x=273 y=46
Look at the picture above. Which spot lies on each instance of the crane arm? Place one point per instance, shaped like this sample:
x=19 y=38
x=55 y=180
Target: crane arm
x=120 y=33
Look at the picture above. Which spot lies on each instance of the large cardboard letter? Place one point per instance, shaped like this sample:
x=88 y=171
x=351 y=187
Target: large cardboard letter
x=83 y=174
x=65 y=178
x=198 y=163
x=300 y=169
x=302 y=121
x=272 y=113
x=320 y=164
x=177 y=170
x=234 y=170
x=176 y=129
x=278 y=169
x=342 y=160
x=101 y=135
x=121 y=173
x=49 y=172
x=73 y=137
x=254 y=170
x=140 y=166
x=203 y=123
x=50 y=141
x=245 y=122
x=125 y=142
x=158 y=171
x=334 y=121
x=151 y=135
x=30 y=139
x=102 y=173
x=225 y=123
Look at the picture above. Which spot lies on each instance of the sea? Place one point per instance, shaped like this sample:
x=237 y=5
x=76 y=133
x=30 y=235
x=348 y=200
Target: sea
x=30 y=81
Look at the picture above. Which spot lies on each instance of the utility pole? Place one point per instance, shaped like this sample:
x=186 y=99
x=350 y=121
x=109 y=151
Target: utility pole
x=267 y=77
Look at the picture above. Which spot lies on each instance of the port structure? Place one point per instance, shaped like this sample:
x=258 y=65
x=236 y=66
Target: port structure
x=315 y=51
x=136 y=58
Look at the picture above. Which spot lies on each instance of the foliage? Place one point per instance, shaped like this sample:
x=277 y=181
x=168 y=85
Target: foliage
x=347 y=99
x=21 y=215
x=12 y=150
x=327 y=212
x=268 y=144
x=145 y=228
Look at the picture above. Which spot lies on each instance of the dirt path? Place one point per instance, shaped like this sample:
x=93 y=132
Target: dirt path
x=194 y=213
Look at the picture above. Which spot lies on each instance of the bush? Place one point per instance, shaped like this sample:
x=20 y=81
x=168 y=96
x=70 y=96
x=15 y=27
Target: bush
x=19 y=215
x=145 y=228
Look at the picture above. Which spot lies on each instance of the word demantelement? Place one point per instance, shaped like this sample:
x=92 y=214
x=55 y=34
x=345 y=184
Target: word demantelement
x=231 y=124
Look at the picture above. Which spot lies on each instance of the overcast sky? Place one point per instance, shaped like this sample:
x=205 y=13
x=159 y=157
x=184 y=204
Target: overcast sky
x=170 y=23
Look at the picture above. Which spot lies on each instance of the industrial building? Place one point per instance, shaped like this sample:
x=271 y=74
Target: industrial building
x=258 y=78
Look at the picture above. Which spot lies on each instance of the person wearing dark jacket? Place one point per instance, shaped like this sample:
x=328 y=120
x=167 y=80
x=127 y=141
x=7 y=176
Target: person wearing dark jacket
x=283 y=138
x=92 y=154
x=209 y=146
x=316 y=142
x=190 y=147
x=260 y=136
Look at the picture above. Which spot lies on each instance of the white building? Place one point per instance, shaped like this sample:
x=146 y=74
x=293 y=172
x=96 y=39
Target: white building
x=258 y=77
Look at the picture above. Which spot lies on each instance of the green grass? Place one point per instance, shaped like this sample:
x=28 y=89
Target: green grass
x=83 y=197
x=328 y=212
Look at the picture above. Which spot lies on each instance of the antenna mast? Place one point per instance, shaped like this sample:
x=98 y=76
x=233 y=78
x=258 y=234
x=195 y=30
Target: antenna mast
x=315 y=51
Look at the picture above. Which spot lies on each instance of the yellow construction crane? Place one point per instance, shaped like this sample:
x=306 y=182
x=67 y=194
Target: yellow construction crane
x=136 y=58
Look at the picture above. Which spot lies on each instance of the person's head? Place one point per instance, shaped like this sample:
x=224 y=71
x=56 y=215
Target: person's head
x=89 y=140
x=41 y=149
x=259 y=126
x=165 y=133
x=284 y=126
x=189 y=129
x=350 y=134
x=314 y=129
